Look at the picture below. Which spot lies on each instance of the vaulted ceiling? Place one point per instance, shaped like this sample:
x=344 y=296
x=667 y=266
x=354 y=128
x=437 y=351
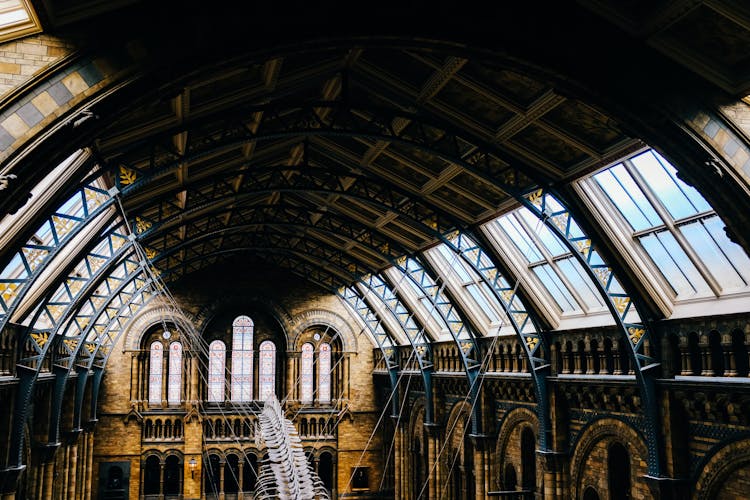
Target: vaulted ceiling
x=335 y=154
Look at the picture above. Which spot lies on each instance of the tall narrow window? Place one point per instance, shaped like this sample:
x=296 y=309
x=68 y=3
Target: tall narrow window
x=306 y=373
x=216 y=359
x=618 y=469
x=324 y=373
x=174 y=381
x=242 y=359
x=154 y=376
x=267 y=376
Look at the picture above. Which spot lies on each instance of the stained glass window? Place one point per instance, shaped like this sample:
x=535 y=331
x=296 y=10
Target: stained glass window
x=267 y=369
x=306 y=373
x=324 y=373
x=675 y=226
x=242 y=359
x=154 y=377
x=216 y=360
x=174 y=380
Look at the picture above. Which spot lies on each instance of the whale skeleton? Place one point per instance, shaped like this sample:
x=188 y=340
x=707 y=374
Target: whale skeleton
x=286 y=473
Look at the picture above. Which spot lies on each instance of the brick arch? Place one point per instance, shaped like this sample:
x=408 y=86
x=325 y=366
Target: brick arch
x=145 y=319
x=417 y=411
x=518 y=417
x=604 y=429
x=317 y=452
x=209 y=311
x=161 y=455
x=725 y=461
x=454 y=433
x=321 y=317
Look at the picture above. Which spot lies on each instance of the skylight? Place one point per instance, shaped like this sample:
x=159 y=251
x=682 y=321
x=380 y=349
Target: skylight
x=675 y=226
x=17 y=19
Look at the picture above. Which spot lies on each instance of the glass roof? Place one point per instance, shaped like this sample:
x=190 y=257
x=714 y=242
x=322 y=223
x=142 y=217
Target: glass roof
x=675 y=226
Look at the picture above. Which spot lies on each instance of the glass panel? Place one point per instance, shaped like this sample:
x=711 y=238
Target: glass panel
x=711 y=255
x=491 y=312
x=267 y=375
x=324 y=373
x=628 y=198
x=732 y=250
x=556 y=288
x=154 y=377
x=454 y=264
x=520 y=238
x=673 y=193
x=174 y=383
x=674 y=264
x=548 y=238
x=580 y=282
x=306 y=373
x=216 y=360
x=242 y=359
x=433 y=311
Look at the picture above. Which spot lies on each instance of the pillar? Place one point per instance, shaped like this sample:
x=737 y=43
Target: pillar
x=133 y=377
x=398 y=459
x=72 y=470
x=48 y=477
x=482 y=446
x=194 y=396
x=434 y=471
x=89 y=465
x=553 y=471
x=221 y=479
x=292 y=360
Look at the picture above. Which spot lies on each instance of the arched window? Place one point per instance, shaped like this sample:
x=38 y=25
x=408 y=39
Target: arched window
x=172 y=476
x=216 y=359
x=306 y=373
x=618 y=470
x=154 y=376
x=151 y=476
x=324 y=373
x=242 y=359
x=267 y=375
x=174 y=381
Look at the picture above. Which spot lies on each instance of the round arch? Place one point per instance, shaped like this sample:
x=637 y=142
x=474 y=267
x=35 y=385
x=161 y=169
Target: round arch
x=511 y=426
x=600 y=434
x=719 y=471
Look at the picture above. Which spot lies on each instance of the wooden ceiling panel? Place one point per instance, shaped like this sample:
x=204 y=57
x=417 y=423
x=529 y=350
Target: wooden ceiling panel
x=483 y=190
x=585 y=123
x=221 y=86
x=714 y=37
x=473 y=106
x=520 y=89
x=550 y=147
x=398 y=66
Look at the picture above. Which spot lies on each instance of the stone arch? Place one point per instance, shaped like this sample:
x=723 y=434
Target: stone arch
x=209 y=311
x=455 y=454
x=144 y=320
x=596 y=437
x=320 y=317
x=513 y=422
x=720 y=466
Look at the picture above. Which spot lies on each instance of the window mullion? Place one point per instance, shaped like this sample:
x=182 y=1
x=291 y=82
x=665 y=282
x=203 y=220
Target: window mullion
x=662 y=211
x=550 y=261
x=616 y=227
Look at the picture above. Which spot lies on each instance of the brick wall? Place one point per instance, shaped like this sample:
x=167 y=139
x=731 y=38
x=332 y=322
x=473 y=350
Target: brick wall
x=20 y=59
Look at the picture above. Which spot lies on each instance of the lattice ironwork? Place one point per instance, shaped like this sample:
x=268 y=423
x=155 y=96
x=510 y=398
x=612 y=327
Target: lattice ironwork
x=22 y=267
x=624 y=309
